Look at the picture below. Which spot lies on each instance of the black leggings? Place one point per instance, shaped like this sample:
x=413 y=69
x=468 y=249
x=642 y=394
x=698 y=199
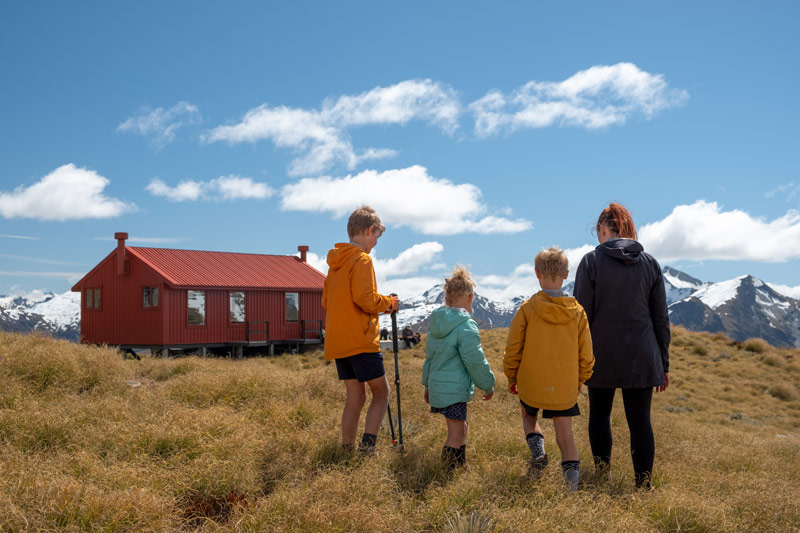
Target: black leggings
x=637 y=412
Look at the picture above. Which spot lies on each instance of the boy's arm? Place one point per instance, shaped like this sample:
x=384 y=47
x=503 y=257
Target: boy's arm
x=585 y=353
x=471 y=352
x=514 y=345
x=365 y=290
x=325 y=294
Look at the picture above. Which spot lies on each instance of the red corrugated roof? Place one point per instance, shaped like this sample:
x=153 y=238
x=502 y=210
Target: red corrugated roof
x=191 y=268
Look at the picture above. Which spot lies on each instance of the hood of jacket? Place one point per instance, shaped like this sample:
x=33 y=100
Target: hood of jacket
x=626 y=250
x=343 y=254
x=446 y=319
x=554 y=310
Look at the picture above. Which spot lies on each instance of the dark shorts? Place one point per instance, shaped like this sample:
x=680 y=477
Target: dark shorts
x=547 y=413
x=457 y=411
x=363 y=367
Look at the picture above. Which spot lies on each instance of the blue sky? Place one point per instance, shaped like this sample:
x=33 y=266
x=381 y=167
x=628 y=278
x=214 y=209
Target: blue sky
x=481 y=133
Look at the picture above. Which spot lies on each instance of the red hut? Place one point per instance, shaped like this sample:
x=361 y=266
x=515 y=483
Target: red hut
x=165 y=299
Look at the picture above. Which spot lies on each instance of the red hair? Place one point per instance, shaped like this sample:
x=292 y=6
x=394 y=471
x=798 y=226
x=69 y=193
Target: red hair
x=618 y=220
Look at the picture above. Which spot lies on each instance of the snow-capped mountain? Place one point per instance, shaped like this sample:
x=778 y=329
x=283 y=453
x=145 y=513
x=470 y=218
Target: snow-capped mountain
x=487 y=313
x=57 y=314
x=680 y=285
x=743 y=308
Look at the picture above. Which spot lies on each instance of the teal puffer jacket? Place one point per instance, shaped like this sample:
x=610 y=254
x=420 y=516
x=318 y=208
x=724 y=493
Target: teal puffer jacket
x=454 y=359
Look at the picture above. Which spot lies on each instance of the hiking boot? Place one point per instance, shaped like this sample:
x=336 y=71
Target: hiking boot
x=450 y=457
x=643 y=481
x=536 y=466
x=602 y=468
x=367 y=450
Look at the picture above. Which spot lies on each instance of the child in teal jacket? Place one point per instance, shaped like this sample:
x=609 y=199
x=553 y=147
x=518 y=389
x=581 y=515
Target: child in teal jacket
x=454 y=360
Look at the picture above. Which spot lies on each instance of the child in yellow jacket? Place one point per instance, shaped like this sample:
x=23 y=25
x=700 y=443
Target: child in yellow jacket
x=352 y=303
x=548 y=356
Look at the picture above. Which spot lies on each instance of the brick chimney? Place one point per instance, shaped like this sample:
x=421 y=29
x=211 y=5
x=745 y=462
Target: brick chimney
x=302 y=250
x=121 y=256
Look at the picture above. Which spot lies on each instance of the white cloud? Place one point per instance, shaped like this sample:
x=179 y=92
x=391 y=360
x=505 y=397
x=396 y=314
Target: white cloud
x=319 y=137
x=223 y=188
x=790 y=191
x=703 y=231
x=38 y=260
x=408 y=261
x=236 y=188
x=67 y=193
x=791 y=292
x=522 y=281
x=317 y=261
x=161 y=124
x=71 y=277
x=594 y=98
x=418 y=257
x=20 y=237
x=404 y=197
x=410 y=286
x=185 y=191
x=398 y=104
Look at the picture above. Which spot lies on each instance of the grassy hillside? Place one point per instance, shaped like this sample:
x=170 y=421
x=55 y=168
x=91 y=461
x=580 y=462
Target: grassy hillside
x=89 y=441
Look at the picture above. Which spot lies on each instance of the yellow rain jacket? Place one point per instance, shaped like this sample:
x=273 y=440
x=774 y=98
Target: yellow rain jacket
x=549 y=351
x=352 y=303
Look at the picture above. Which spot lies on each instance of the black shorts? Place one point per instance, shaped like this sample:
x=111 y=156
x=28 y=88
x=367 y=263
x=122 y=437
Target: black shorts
x=457 y=411
x=547 y=413
x=363 y=367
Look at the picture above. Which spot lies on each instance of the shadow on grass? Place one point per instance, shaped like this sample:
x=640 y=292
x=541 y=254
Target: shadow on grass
x=418 y=470
x=332 y=454
x=198 y=508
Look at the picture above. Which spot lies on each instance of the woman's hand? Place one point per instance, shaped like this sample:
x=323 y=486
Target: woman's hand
x=512 y=388
x=662 y=388
x=426 y=396
x=488 y=396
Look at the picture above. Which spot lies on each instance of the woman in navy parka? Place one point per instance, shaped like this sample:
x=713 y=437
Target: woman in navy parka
x=622 y=290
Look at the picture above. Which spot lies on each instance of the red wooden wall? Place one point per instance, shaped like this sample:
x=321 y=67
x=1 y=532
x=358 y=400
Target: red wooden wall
x=122 y=320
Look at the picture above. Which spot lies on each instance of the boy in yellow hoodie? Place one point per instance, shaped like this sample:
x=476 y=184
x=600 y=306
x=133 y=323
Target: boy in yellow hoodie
x=352 y=303
x=548 y=357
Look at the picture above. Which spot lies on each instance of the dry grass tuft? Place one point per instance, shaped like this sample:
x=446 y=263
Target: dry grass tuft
x=90 y=441
x=755 y=345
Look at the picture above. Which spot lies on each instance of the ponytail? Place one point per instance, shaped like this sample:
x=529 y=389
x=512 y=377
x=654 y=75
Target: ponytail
x=459 y=284
x=618 y=220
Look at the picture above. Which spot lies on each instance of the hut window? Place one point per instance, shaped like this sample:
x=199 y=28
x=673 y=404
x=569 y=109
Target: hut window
x=237 y=306
x=92 y=299
x=149 y=296
x=292 y=307
x=197 y=308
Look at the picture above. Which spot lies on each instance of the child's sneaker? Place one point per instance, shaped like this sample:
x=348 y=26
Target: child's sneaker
x=571 y=477
x=537 y=465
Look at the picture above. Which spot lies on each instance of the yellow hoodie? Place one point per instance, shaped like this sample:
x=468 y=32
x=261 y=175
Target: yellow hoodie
x=352 y=303
x=549 y=351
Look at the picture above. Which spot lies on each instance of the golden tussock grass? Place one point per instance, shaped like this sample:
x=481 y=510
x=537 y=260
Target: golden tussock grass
x=89 y=441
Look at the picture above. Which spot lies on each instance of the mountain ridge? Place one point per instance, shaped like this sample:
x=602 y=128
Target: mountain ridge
x=743 y=307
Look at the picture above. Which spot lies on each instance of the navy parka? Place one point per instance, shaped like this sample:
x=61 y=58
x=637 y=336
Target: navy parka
x=621 y=288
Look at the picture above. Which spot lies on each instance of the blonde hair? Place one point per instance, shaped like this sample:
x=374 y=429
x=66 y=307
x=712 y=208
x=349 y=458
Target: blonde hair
x=459 y=284
x=361 y=220
x=551 y=263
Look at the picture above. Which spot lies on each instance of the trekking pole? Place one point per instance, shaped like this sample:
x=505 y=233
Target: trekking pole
x=397 y=381
x=391 y=424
